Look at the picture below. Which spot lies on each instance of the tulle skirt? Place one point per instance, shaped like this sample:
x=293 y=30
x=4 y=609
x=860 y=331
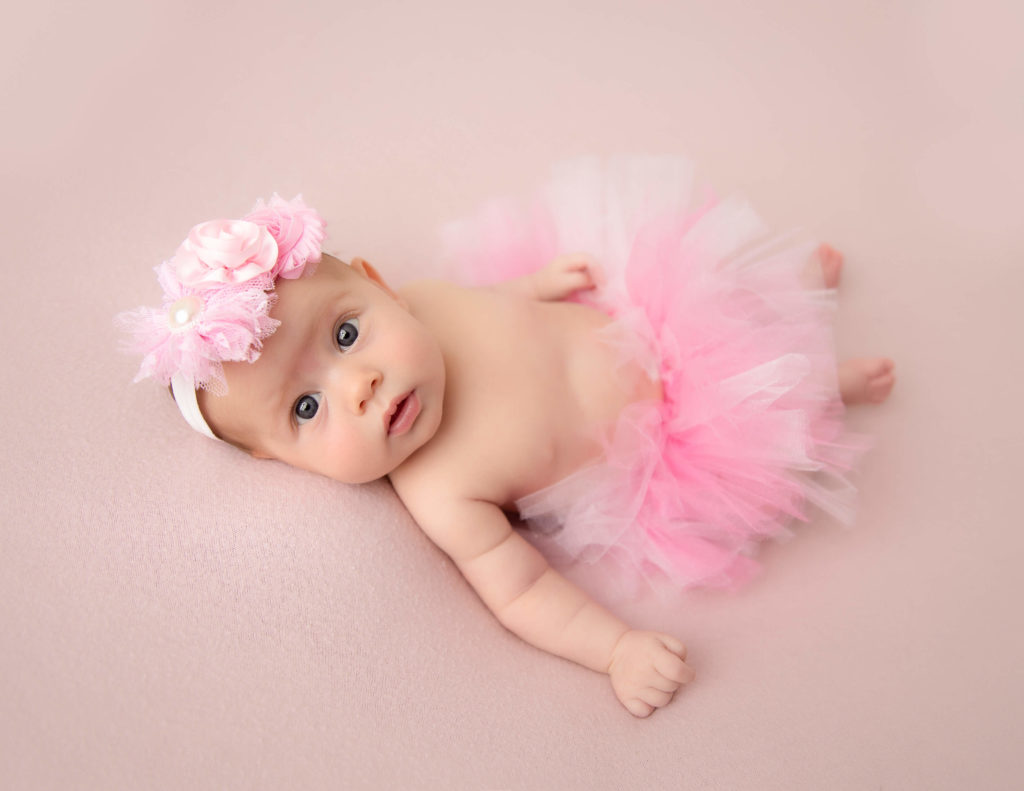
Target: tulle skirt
x=737 y=324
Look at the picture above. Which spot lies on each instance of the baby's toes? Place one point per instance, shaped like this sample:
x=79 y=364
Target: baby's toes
x=831 y=264
x=877 y=366
x=880 y=387
x=880 y=379
x=827 y=252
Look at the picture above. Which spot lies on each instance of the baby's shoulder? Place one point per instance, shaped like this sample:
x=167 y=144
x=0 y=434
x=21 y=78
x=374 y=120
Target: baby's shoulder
x=460 y=524
x=431 y=299
x=425 y=487
x=430 y=289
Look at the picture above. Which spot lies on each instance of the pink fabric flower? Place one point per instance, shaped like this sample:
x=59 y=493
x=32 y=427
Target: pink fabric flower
x=218 y=291
x=298 y=230
x=195 y=331
x=225 y=252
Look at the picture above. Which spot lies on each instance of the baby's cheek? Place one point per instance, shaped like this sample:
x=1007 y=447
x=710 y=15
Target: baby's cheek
x=426 y=352
x=410 y=347
x=353 y=458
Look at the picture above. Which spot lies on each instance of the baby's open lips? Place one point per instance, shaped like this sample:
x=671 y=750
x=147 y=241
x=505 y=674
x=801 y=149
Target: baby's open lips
x=402 y=413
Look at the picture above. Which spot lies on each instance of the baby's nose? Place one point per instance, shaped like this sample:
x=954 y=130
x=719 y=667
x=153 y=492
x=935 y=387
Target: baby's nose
x=364 y=385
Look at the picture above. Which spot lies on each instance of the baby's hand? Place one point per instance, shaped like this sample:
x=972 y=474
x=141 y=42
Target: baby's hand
x=646 y=670
x=566 y=275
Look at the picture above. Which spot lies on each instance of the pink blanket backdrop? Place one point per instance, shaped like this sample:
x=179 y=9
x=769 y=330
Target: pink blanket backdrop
x=176 y=615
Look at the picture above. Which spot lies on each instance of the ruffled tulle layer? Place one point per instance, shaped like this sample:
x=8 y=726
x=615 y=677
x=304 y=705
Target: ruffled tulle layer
x=737 y=324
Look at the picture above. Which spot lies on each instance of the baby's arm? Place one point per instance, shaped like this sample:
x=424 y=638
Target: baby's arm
x=539 y=605
x=565 y=275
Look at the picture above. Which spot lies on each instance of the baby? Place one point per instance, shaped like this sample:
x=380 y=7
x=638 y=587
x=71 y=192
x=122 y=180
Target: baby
x=472 y=401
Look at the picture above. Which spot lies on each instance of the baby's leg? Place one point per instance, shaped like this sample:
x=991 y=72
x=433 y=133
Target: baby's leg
x=823 y=268
x=866 y=380
x=831 y=261
x=862 y=379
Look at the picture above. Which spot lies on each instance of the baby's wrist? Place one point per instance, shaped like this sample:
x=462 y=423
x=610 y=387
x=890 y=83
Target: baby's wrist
x=591 y=636
x=615 y=649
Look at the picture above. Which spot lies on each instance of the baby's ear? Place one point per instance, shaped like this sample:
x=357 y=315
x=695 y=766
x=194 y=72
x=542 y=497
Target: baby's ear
x=364 y=268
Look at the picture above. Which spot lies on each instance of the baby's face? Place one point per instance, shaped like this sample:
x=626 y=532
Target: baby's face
x=350 y=385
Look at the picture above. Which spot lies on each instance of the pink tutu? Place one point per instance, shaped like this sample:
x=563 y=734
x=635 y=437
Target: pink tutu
x=739 y=328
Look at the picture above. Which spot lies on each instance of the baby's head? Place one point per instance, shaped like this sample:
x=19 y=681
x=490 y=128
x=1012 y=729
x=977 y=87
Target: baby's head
x=323 y=367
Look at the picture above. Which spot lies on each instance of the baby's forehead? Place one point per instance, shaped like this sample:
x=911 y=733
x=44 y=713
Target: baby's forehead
x=329 y=270
x=298 y=302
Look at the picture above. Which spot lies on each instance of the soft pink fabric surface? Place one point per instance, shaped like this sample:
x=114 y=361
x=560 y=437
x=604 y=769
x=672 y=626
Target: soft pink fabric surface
x=297 y=633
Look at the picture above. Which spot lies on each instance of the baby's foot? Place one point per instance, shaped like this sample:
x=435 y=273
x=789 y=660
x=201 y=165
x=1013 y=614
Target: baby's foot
x=866 y=380
x=831 y=264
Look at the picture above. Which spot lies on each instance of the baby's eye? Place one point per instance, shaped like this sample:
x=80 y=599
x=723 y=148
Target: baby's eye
x=348 y=331
x=305 y=408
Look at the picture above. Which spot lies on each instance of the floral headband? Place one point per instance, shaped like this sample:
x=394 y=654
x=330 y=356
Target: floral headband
x=218 y=291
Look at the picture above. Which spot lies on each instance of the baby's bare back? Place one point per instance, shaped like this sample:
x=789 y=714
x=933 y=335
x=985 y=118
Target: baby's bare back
x=529 y=386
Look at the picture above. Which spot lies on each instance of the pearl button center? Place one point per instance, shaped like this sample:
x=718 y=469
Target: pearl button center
x=183 y=312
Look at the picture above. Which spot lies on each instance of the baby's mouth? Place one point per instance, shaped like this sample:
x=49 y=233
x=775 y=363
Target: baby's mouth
x=403 y=414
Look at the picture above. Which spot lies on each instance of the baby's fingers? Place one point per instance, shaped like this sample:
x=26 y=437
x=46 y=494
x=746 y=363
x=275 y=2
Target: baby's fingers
x=655 y=697
x=597 y=274
x=637 y=707
x=574 y=261
x=646 y=701
x=593 y=273
x=663 y=684
x=578 y=280
x=673 y=668
x=584 y=265
x=673 y=645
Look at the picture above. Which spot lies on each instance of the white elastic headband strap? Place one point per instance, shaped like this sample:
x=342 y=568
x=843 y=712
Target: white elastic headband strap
x=185 y=398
